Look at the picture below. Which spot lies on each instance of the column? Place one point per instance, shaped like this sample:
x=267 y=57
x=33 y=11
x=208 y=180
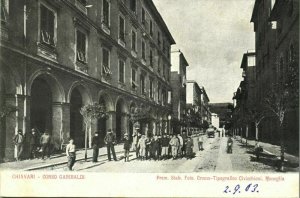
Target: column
x=111 y=121
x=65 y=133
x=124 y=124
x=57 y=113
x=12 y=125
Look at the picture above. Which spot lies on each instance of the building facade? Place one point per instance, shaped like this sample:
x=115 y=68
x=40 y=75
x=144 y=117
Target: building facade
x=178 y=84
x=215 y=120
x=276 y=27
x=245 y=97
x=198 y=101
x=57 y=56
x=224 y=112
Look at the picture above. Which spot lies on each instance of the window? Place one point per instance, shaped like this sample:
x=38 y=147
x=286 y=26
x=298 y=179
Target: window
x=133 y=79
x=158 y=92
x=121 y=29
x=151 y=58
x=143 y=16
x=105 y=7
x=151 y=87
x=133 y=40
x=121 y=71
x=105 y=62
x=47 y=26
x=4 y=11
x=164 y=70
x=81 y=46
x=151 y=27
x=163 y=46
x=143 y=50
x=133 y=5
x=142 y=79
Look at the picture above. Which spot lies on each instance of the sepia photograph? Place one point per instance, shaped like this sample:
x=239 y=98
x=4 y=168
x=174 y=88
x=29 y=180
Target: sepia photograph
x=171 y=93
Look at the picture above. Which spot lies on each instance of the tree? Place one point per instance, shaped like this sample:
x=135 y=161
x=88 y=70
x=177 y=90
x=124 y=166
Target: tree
x=282 y=96
x=89 y=112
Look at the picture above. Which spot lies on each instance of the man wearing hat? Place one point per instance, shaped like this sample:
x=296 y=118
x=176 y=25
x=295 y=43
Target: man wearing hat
x=127 y=145
x=109 y=140
x=18 y=141
x=95 y=146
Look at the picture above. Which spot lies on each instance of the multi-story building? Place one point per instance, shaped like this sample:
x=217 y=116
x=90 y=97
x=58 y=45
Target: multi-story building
x=276 y=26
x=57 y=56
x=245 y=96
x=198 y=100
x=178 y=84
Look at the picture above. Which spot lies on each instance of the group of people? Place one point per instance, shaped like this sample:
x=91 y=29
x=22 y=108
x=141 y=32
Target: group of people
x=162 y=147
x=29 y=144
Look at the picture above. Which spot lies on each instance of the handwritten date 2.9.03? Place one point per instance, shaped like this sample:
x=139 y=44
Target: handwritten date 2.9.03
x=238 y=189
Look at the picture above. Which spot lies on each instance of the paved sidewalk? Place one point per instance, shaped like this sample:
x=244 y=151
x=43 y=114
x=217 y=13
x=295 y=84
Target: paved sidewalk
x=271 y=149
x=56 y=159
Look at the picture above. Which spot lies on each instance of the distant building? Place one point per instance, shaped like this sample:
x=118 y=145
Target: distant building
x=224 y=112
x=196 y=97
x=215 y=120
x=178 y=84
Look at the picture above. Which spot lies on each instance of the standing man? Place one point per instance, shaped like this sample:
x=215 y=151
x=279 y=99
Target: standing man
x=174 y=142
x=180 y=145
x=18 y=141
x=110 y=140
x=136 y=138
x=184 y=137
x=70 y=151
x=45 y=142
x=165 y=146
x=200 y=143
x=95 y=146
x=33 y=143
x=127 y=145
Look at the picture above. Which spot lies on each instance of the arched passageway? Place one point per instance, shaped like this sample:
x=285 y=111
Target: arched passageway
x=77 y=131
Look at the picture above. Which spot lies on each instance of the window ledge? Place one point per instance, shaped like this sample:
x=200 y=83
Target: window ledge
x=81 y=67
x=133 y=53
x=46 y=51
x=81 y=7
x=143 y=61
x=121 y=42
x=105 y=28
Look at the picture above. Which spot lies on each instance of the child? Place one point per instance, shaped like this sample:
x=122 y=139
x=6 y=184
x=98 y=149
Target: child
x=189 y=148
x=127 y=145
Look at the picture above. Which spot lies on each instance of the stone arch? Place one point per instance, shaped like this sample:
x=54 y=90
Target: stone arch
x=78 y=96
x=58 y=92
x=108 y=101
x=84 y=91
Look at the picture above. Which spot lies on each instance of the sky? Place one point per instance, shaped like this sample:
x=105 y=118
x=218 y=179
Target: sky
x=213 y=35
